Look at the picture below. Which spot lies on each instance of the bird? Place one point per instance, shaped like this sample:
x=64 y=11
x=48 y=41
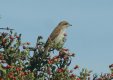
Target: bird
x=57 y=37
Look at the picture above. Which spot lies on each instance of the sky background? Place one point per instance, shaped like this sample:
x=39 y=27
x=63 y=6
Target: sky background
x=90 y=37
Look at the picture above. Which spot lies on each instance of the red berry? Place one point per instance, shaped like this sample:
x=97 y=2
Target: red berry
x=72 y=54
x=110 y=65
x=14 y=78
x=11 y=37
x=78 y=79
x=50 y=61
x=3 y=61
x=4 y=40
x=71 y=71
x=10 y=75
x=48 y=70
x=1 y=78
x=60 y=70
x=76 y=67
x=112 y=75
x=65 y=34
x=25 y=73
x=18 y=69
x=72 y=76
x=1 y=57
x=8 y=66
x=24 y=47
x=65 y=57
x=22 y=74
x=17 y=37
x=65 y=49
x=28 y=43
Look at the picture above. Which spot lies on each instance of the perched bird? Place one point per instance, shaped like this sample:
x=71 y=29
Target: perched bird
x=57 y=37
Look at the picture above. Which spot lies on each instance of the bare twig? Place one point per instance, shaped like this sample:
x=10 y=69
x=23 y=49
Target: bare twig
x=7 y=28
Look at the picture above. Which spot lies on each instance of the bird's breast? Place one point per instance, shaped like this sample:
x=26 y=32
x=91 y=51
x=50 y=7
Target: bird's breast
x=59 y=38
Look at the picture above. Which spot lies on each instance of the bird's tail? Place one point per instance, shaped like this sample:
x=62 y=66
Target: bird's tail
x=46 y=48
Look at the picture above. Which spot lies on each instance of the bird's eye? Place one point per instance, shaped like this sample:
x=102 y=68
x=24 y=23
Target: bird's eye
x=65 y=23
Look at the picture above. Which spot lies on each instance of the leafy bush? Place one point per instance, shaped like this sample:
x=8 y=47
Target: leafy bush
x=20 y=61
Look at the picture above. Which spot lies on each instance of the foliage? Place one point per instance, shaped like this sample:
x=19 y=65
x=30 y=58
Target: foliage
x=20 y=61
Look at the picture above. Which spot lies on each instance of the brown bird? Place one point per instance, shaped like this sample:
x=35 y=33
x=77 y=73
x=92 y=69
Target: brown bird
x=57 y=37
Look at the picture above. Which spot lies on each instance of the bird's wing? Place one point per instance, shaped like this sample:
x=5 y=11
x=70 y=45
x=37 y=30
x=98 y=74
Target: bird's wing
x=53 y=35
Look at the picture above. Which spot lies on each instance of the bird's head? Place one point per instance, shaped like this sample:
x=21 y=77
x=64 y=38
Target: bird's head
x=64 y=24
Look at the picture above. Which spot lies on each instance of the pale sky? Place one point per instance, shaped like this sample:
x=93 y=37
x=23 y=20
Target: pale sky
x=90 y=37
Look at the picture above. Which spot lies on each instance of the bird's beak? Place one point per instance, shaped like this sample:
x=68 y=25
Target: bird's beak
x=70 y=25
